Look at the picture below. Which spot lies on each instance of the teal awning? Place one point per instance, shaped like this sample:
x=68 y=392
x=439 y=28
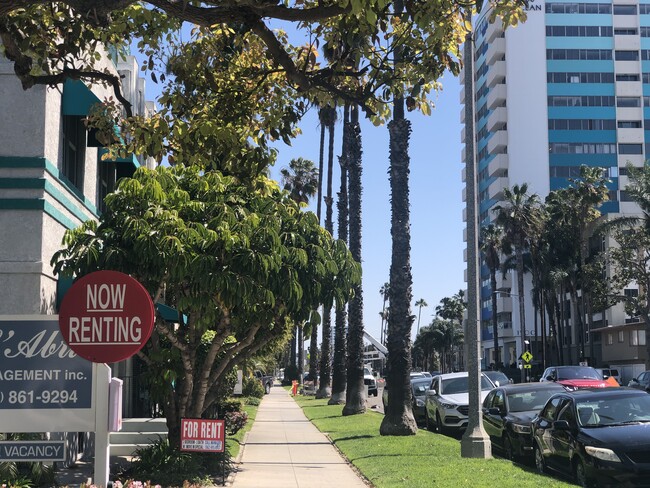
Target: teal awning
x=169 y=314
x=131 y=159
x=77 y=98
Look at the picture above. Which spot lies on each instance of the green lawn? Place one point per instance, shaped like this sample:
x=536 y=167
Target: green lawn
x=423 y=460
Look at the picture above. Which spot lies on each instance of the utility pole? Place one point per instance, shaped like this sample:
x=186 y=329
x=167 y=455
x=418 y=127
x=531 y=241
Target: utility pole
x=475 y=443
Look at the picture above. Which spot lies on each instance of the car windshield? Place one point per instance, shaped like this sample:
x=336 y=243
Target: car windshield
x=420 y=387
x=577 y=373
x=614 y=411
x=497 y=376
x=453 y=386
x=529 y=400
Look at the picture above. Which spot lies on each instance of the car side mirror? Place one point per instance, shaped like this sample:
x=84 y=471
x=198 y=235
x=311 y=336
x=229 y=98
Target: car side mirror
x=496 y=383
x=431 y=392
x=550 y=377
x=561 y=425
x=494 y=411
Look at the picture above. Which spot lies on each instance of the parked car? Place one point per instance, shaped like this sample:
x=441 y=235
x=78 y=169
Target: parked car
x=508 y=412
x=574 y=377
x=447 y=401
x=597 y=436
x=419 y=387
x=266 y=380
x=641 y=382
x=370 y=381
x=610 y=373
x=497 y=377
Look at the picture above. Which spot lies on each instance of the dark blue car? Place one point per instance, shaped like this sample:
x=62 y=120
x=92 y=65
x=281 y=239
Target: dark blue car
x=600 y=437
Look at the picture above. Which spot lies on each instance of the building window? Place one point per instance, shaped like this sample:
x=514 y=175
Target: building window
x=630 y=148
x=74 y=149
x=610 y=339
x=629 y=124
x=583 y=148
x=626 y=55
x=578 y=8
x=628 y=102
x=621 y=336
x=107 y=177
x=583 y=54
x=624 y=9
x=625 y=32
x=634 y=338
x=627 y=77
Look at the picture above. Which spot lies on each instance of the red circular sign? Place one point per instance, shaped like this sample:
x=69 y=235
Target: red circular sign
x=106 y=316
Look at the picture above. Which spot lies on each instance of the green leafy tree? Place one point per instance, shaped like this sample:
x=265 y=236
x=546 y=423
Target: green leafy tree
x=631 y=259
x=242 y=265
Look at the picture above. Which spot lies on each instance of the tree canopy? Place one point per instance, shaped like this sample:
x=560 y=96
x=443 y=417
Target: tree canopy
x=240 y=266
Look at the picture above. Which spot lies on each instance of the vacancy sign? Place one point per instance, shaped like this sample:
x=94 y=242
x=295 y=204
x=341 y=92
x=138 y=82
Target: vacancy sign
x=205 y=435
x=106 y=316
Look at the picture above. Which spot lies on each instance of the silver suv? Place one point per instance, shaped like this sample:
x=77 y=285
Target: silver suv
x=447 y=401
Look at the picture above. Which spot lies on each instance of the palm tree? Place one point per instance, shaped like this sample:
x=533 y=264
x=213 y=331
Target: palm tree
x=453 y=309
x=383 y=291
x=339 y=366
x=420 y=303
x=300 y=179
x=517 y=216
x=354 y=399
x=490 y=245
x=398 y=419
x=328 y=118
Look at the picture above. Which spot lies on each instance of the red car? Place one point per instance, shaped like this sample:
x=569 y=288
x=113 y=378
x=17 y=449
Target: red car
x=575 y=377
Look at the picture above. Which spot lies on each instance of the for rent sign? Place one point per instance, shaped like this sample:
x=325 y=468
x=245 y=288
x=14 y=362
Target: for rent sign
x=106 y=316
x=206 y=435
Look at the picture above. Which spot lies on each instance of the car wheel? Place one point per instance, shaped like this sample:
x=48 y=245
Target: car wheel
x=267 y=388
x=581 y=474
x=507 y=449
x=540 y=464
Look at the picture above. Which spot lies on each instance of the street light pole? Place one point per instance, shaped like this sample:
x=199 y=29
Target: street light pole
x=475 y=443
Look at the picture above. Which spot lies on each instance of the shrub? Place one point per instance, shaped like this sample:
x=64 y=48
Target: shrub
x=252 y=401
x=171 y=467
x=235 y=421
x=252 y=387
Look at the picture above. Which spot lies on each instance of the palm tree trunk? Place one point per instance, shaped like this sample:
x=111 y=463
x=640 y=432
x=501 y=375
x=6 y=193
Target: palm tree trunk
x=522 y=310
x=495 y=325
x=324 y=388
x=399 y=420
x=355 y=399
x=313 y=343
x=339 y=380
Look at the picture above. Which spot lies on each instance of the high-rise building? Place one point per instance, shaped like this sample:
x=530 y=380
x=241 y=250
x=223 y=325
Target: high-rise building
x=569 y=87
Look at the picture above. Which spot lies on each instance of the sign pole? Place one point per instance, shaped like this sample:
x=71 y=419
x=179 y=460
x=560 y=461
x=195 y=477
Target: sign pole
x=102 y=453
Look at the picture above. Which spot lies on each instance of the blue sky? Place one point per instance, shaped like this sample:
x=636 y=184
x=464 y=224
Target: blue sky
x=436 y=203
x=435 y=194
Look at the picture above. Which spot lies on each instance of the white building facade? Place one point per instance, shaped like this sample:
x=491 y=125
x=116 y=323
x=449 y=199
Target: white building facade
x=569 y=87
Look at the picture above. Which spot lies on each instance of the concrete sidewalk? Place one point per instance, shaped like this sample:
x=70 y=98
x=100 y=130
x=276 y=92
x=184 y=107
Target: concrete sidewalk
x=285 y=450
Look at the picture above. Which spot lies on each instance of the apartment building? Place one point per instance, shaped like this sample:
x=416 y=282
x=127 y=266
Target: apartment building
x=53 y=178
x=569 y=87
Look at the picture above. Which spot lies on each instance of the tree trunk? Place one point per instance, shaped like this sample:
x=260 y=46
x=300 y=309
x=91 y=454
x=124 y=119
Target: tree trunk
x=324 y=390
x=399 y=420
x=495 y=324
x=522 y=310
x=339 y=380
x=313 y=343
x=355 y=401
